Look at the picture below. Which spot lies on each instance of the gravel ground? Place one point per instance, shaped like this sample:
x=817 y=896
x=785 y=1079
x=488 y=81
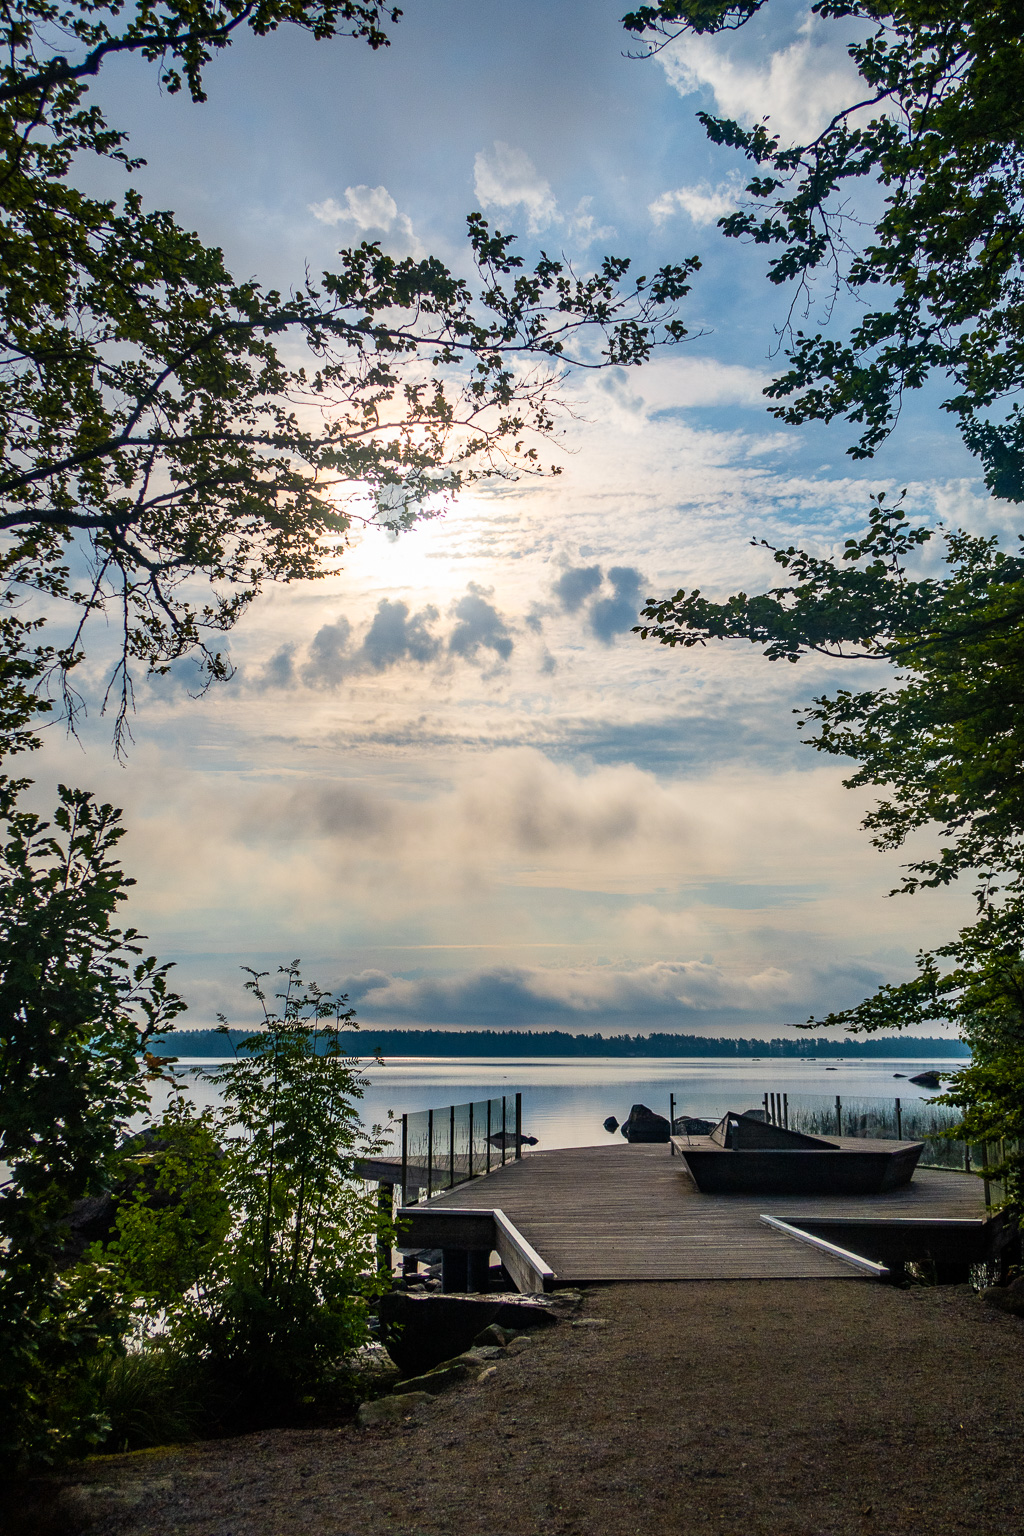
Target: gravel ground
x=771 y=1408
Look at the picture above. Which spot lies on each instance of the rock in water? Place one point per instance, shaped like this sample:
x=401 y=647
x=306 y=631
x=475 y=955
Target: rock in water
x=692 y=1125
x=506 y=1140
x=611 y=1124
x=927 y=1080
x=642 y=1124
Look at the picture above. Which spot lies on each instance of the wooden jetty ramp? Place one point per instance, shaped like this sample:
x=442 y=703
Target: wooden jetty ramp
x=632 y=1213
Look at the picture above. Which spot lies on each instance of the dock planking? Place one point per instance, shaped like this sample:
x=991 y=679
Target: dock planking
x=633 y=1213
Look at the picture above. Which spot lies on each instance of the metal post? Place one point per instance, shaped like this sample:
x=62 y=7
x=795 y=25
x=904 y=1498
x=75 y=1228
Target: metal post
x=451 y=1146
x=504 y=1123
x=785 y=1110
x=519 y=1125
x=899 y=1121
x=672 y=1121
x=985 y=1156
x=967 y=1157
x=405 y=1157
x=430 y=1152
x=488 y=1135
x=767 y=1108
x=386 y=1206
x=471 y=1138
x=839 y=1115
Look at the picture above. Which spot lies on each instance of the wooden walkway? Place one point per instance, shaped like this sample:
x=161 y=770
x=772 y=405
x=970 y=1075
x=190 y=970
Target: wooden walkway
x=633 y=1213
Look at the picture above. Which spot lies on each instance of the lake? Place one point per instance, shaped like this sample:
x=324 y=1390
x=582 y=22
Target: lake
x=566 y=1099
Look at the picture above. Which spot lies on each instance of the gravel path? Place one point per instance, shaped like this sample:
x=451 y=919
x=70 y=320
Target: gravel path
x=771 y=1408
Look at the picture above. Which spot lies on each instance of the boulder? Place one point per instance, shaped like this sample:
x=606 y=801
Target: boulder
x=506 y=1140
x=642 y=1124
x=492 y=1334
x=391 y=1410
x=692 y=1125
x=611 y=1124
x=420 y=1331
x=437 y=1380
x=927 y=1080
x=1006 y=1298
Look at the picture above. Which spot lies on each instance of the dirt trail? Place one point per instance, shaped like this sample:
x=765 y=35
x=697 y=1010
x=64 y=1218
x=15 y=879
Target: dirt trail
x=775 y=1408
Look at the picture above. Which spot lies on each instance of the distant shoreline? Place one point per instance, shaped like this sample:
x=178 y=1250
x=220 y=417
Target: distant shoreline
x=503 y=1043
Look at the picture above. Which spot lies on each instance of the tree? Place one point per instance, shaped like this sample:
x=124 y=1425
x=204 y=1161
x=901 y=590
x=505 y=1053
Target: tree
x=291 y=1297
x=939 y=127
x=939 y=130
x=78 y=1004
x=946 y=746
x=188 y=429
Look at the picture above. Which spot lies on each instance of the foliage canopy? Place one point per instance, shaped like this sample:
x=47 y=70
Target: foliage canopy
x=939 y=126
x=196 y=436
x=78 y=1003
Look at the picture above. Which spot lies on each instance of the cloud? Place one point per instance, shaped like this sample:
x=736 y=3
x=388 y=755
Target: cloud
x=574 y=586
x=703 y=203
x=328 y=660
x=798 y=87
x=480 y=625
x=367 y=207
x=394 y=636
x=582 y=226
x=506 y=177
x=680 y=993
x=279 y=671
x=609 y=615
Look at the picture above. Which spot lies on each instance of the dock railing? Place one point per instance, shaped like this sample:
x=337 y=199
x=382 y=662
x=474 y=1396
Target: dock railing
x=445 y=1147
x=895 y=1119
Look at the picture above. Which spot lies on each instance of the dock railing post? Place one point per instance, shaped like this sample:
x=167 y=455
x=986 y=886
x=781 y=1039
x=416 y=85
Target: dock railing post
x=430 y=1152
x=672 y=1120
x=785 y=1110
x=488 y=1135
x=451 y=1146
x=839 y=1115
x=386 y=1206
x=405 y=1157
x=471 y=1138
x=767 y=1109
x=519 y=1125
x=899 y=1121
x=504 y=1129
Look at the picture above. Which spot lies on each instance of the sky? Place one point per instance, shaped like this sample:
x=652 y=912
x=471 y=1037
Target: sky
x=450 y=778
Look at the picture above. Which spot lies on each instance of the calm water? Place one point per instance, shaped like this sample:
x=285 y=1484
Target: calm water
x=566 y=1099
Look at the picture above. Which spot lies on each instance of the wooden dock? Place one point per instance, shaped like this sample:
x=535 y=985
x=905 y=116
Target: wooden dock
x=633 y=1213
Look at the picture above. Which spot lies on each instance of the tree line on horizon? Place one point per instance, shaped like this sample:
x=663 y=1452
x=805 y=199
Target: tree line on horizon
x=555 y=1042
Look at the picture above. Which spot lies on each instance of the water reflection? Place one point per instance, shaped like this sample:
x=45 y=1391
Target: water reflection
x=566 y=1099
